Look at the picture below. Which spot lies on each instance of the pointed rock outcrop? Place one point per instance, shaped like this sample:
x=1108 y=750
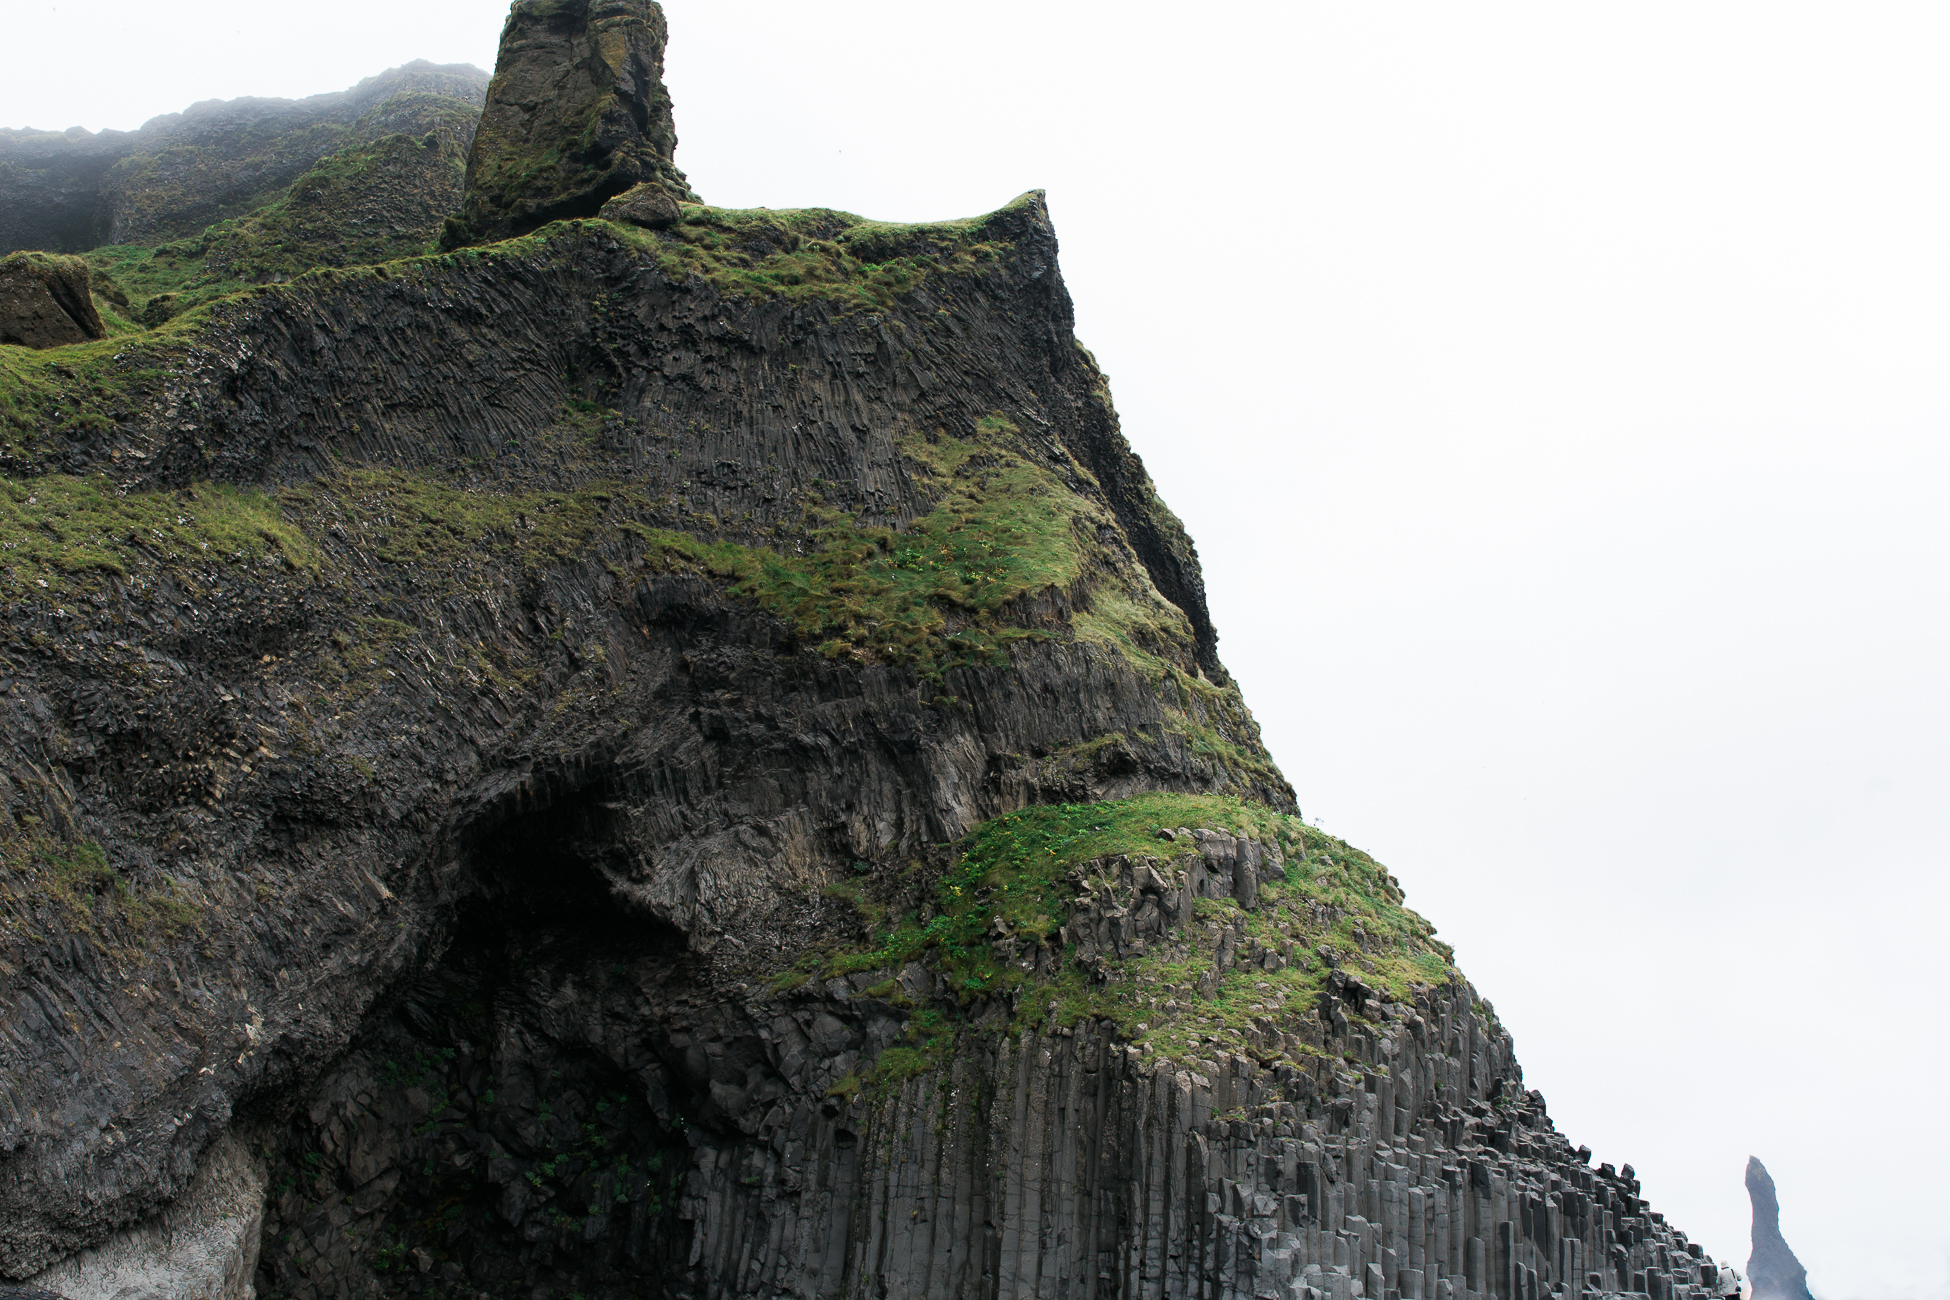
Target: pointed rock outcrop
x=1774 y=1271
x=577 y=114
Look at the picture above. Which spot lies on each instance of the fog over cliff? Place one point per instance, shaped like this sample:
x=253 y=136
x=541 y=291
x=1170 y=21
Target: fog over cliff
x=1556 y=400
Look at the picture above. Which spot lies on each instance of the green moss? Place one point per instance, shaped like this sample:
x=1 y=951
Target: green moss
x=809 y=254
x=366 y=203
x=58 y=531
x=1018 y=878
x=90 y=895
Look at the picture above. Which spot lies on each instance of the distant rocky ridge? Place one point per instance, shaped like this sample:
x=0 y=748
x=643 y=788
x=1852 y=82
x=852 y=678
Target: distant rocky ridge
x=74 y=190
x=680 y=753
x=199 y=204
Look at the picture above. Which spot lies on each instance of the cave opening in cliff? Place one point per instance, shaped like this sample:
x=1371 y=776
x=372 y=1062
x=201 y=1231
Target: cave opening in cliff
x=508 y=1119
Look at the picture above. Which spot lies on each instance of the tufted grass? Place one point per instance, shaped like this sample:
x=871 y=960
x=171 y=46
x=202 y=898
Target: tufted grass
x=1029 y=869
x=818 y=254
x=59 y=531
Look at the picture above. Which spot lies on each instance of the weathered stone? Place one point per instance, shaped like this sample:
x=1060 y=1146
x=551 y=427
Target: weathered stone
x=204 y=1245
x=477 y=846
x=648 y=205
x=576 y=115
x=45 y=301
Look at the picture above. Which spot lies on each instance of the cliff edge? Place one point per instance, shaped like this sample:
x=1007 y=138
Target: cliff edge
x=688 y=758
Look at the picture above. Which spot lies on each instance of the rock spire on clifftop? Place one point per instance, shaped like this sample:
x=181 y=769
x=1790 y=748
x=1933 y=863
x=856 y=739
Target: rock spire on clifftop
x=577 y=113
x=1774 y=1271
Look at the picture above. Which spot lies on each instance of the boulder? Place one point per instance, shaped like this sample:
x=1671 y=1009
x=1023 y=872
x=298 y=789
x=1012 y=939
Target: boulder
x=45 y=302
x=648 y=205
x=576 y=114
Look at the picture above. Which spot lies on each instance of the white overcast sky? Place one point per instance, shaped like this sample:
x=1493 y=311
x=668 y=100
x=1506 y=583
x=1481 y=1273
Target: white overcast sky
x=1557 y=395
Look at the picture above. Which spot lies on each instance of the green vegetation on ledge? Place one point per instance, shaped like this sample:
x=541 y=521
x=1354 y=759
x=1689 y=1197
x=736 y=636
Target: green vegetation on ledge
x=364 y=204
x=1014 y=882
x=808 y=254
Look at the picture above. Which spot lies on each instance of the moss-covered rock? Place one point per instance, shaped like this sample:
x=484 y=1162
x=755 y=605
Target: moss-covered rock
x=648 y=205
x=44 y=301
x=577 y=114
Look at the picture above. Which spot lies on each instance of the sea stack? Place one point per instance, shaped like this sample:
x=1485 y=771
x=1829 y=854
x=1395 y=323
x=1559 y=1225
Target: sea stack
x=1772 y=1268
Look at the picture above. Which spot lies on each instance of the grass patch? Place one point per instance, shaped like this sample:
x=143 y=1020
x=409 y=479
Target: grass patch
x=1014 y=881
x=91 y=896
x=819 y=254
x=363 y=204
x=58 y=531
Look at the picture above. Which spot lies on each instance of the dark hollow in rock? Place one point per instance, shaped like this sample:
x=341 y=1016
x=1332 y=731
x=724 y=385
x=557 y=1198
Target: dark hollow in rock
x=518 y=1115
x=45 y=302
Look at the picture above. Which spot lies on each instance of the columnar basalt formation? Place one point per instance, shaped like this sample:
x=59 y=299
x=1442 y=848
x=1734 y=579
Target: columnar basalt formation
x=685 y=756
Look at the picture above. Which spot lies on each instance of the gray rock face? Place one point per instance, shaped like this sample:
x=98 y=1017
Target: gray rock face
x=73 y=190
x=576 y=115
x=458 y=785
x=1775 y=1272
x=612 y=1115
x=299 y=811
x=45 y=302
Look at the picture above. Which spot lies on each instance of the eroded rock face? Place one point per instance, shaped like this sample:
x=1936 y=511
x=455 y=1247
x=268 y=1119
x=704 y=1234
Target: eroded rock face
x=45 y=302
x=576 y=115
x=302 y=759
x=482 y=746
x=204 y=1246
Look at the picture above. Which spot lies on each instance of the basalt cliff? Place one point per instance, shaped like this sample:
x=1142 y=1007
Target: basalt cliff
x=664 y=750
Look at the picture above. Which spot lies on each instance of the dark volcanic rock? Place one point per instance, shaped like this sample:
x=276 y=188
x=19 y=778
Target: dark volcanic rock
x=1772 y=1268
x=472 y=850
x=685 y=757
x=577 y=113
x=44 y=301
